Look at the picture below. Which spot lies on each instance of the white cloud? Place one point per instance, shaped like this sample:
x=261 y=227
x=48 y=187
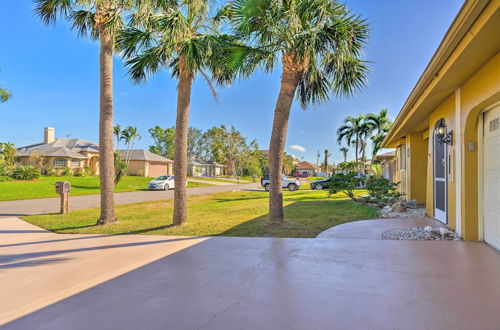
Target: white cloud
x=296 y=147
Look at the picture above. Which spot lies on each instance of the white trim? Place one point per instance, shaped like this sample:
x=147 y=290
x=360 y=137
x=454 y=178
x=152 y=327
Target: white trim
x=458 y=162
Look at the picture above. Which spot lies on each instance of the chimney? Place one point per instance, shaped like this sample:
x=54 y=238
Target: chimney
x=48 y=135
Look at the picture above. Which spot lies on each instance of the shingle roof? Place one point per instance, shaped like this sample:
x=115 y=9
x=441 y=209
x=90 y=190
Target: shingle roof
x=388 y=154
x=305 y=164
x=61 y=147
x=196 y=161
x=139 y=154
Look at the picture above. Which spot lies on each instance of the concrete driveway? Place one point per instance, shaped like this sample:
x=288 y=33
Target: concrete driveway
x=52 y=281
x=49 y=205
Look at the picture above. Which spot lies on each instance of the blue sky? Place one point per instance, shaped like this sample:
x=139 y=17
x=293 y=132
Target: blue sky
x=54 y=78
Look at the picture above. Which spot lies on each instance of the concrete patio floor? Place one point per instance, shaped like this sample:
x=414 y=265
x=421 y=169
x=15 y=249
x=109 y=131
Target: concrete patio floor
x=51 y=281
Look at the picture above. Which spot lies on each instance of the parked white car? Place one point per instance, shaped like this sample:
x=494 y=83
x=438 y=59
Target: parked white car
x=164 y=182
x=291 y=184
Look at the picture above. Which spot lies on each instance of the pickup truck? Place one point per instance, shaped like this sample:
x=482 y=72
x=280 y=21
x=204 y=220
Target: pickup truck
x=291 y=184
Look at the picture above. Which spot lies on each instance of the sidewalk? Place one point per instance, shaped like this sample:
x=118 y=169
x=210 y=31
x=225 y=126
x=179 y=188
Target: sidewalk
x=50 y=205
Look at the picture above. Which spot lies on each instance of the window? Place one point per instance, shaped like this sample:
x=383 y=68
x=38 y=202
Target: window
x=60 y=163
x=75 y=163
x=402 y=158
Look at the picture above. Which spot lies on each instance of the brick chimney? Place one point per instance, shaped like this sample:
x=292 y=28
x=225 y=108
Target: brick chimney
x=48 y=135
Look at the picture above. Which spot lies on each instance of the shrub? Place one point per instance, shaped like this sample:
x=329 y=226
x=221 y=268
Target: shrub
x=89 y=171
x=64 y=171
x=6 y=169
x=50 y=171
x=120 y=168
x=345 y=183
x=78 y=172
x=26 y=172
x=4 y=178
x=383 y=190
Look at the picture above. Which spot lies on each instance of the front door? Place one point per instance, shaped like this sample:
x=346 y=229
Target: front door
x=439 y=180
x=491 y=183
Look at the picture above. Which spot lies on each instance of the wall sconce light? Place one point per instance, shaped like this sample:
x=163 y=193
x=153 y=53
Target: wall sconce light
x=443 y=136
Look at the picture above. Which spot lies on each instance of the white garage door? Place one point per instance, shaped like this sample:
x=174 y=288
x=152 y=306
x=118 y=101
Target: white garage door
x=492 y=177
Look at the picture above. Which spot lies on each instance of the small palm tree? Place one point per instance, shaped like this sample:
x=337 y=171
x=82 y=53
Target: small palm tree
x=352 y=131
x=380 y=125
x=344 y=151
x=180 y=38
x=320 y=45
x=129 y=135
x=117 y=130
x=101 y=20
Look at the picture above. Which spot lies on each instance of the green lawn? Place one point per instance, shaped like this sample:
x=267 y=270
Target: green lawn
x=45 y=186
x=226 y=214
x=220 y=180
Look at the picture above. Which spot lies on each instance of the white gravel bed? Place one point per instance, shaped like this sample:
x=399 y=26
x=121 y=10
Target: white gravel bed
x=427 y=233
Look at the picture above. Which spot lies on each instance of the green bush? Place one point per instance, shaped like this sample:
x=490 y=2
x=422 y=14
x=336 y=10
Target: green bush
x=345 y=183
x=383 y=190
x=26 y=172
x=6 y=169
x=64 y=171
x=89 y=171
x=4 y=178
x=78 y=172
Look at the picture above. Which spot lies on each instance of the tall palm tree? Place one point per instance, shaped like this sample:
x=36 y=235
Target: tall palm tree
x=129 y=135
x=380 y=125
x=180 y=38
x=101 y=20
x=5 y=95
x=352 y=131
x=325 y=161
x=320 y=44
x=344 y=151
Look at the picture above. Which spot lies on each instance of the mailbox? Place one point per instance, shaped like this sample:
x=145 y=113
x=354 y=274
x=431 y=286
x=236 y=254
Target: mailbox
x=63 y=187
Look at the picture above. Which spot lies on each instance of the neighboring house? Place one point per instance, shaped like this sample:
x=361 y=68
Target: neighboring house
x=264 y=153
x=146 y=163
x=61 y=152
x=387 y=161
x=447 y=134
x=198 y=167
x=306 y=168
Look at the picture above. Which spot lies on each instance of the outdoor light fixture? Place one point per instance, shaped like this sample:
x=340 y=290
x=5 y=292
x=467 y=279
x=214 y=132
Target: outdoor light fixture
x=444 y=137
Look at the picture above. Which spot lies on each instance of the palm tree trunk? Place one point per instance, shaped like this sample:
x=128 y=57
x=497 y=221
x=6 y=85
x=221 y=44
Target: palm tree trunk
x=181 y=140
x=106 y=132
x=357 y=145
x=289 y=81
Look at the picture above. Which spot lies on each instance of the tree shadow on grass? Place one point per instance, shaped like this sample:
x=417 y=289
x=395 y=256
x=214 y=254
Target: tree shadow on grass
x=304 y=219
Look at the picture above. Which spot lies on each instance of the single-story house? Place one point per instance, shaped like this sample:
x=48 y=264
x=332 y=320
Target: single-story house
x=146 y=163
x=61 y=152
x=447 y=134
x=198 y=167
x=307 y=168
x=387 y=161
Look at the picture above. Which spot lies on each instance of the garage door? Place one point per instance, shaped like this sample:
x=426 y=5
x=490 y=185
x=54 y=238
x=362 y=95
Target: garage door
x=491 y=197
x=157 y=169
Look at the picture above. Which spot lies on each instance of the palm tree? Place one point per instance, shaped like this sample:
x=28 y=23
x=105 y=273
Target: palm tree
x=344 y=151
x=320 y=44
x=101 y=20
x=380 y=124
x=179 y=38
x=129 y=135
x=4 y=95
x=325 y=161
x=352 y=131
x=117 y=130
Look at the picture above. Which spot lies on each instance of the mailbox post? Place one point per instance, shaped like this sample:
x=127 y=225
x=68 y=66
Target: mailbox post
x=63 y=189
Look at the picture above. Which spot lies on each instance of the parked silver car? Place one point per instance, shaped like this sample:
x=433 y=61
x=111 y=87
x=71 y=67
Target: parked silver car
x=163 y=182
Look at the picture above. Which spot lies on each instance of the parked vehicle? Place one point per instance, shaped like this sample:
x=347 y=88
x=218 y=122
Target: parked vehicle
x=290 y=184
x=321 y=184
x=164 y=182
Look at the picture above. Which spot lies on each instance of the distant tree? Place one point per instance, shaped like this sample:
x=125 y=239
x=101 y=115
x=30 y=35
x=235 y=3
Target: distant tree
x=163 y=141
x=8 y=152
x=117 y=130
x=195 y=144
x=325 y=161
x=352 y=131
x=380 y=125
x=344 y=151
x=129 y=135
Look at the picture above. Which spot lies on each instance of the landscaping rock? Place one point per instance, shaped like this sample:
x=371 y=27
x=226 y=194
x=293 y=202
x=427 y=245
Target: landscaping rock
x=399 y=207
x=387 y=213
x=413 y=204
x=427 y=233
